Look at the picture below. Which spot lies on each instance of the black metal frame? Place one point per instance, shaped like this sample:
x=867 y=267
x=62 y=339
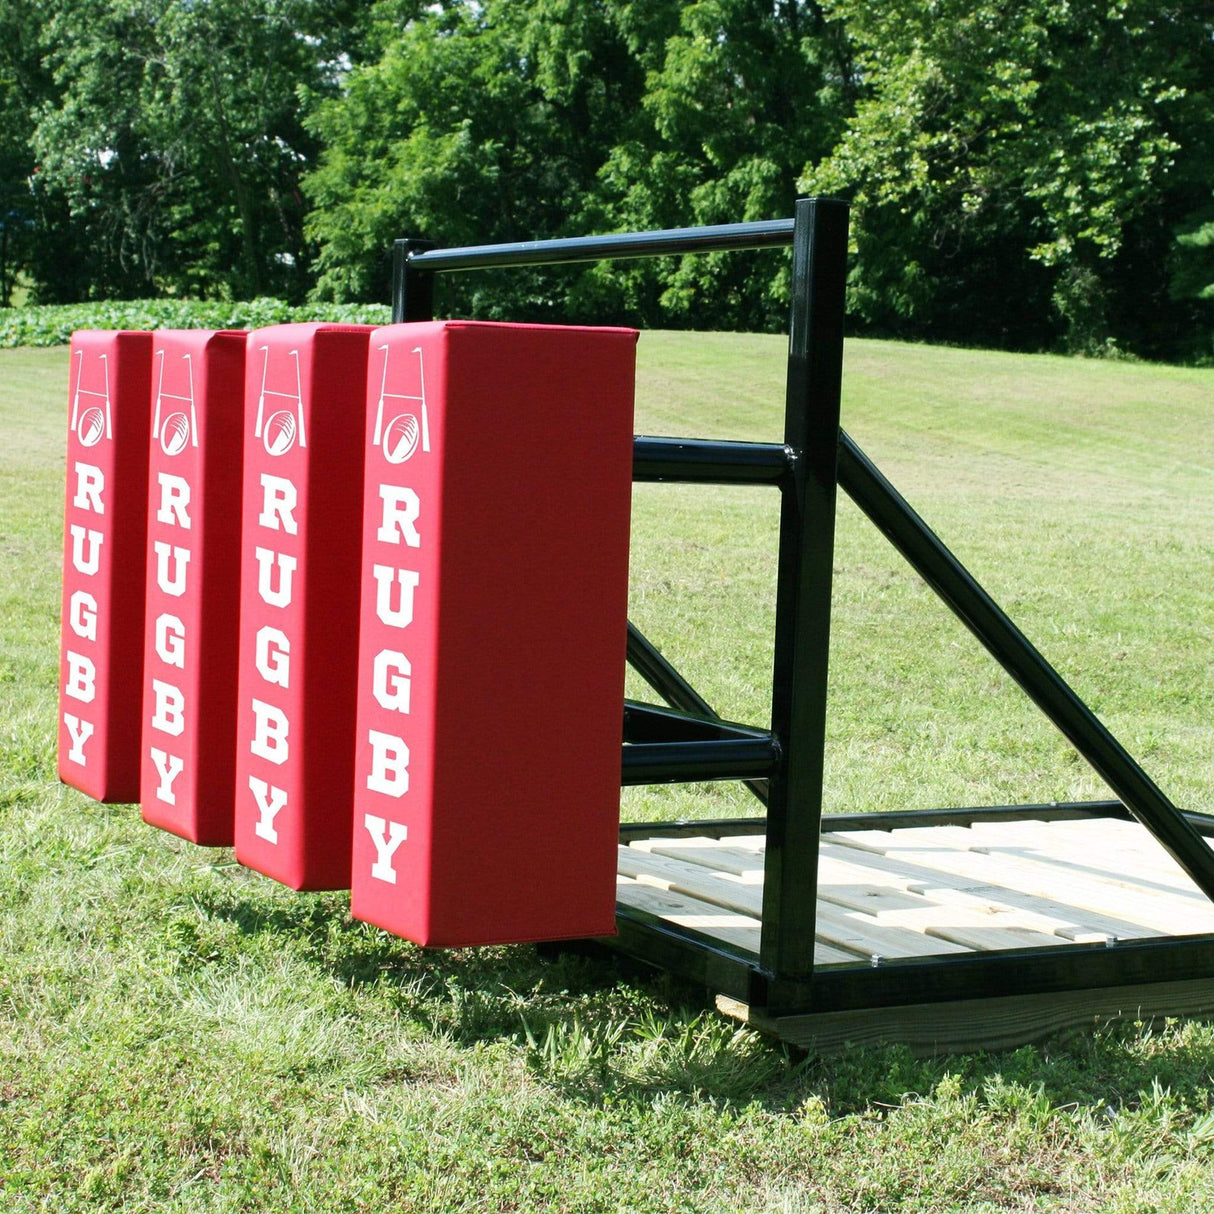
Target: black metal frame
x=783 y=765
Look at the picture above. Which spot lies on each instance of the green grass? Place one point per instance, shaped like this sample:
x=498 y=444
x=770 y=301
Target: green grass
x=178 y=1034
x=1078 y=494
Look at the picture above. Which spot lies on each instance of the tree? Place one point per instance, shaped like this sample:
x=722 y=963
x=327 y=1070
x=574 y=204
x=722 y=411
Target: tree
x=176 y=138
x=25 y=86
x=1003 y=153
x=736 y=97
x=474 y=122
x=509 y=120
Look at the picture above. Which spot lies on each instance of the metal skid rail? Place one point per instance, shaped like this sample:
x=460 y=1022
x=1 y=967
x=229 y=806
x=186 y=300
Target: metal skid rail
x=783 y=765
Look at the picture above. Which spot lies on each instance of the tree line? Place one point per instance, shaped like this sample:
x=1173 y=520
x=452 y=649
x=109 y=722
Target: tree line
x=1029 y=174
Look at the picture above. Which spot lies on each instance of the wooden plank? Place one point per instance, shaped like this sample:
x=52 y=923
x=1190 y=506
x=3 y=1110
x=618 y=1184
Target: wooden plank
x=724 y=925
x=852 y=931
x=1037 y=878
x=867 y=935
x=982 y=905
x=1161 y=909
x=979 y=1024
x=916 y=847
x=1108 y=865
x=859 y=887
x=718 y=888
x=716 y=921
x=1119 y=848
x=707 y=853
x=1076 y=924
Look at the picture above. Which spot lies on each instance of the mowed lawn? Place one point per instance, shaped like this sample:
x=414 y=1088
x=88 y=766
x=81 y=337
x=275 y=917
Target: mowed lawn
x=179 y=1034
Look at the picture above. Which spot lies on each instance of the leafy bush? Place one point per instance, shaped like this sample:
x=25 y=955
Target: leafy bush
x=53 y=324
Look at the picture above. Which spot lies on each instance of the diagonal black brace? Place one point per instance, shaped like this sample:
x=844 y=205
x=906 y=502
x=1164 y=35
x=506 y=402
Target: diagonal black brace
x=644 y=658
x=651 y=723
x=945 y=574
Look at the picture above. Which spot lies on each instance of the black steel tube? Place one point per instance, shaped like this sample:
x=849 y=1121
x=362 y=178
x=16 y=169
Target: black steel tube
x=685 y=762
x=768 y=234
x=645 y=659
x=709 y=462
x=412 y=289
x=803 y=588
x=898 y=819
x=690 y=955
x=976 y=609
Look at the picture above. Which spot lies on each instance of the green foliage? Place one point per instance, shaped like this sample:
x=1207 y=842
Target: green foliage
x=995 y=135
x=54 y=324
x=1026 y=175
x=509 y=121
x=476 y=123
x=169 y=144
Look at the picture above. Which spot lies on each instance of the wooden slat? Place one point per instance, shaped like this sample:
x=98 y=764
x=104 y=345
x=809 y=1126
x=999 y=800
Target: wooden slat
x=1111 y=865
x=728 y=926
x=918 y=892
x=1041 y=913
x=718 y=888
x=856 y=932
x=974 y=923
x=725 y=925
x=1161 y=909
x=1118 y=847
x=705 y=852
x=1072 y=866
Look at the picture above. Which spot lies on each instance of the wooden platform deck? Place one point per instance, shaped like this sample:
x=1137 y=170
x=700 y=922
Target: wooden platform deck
x=930 y=891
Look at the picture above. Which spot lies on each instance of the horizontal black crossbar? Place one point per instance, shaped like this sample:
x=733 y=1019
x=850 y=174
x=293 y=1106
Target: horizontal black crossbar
x=769 y=234
x=652 y=723
x=709 y=461
x=685 y=762
x=899 y=819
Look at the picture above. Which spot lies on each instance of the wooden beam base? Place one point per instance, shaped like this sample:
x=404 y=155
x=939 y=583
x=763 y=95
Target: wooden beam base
x=978 y=1024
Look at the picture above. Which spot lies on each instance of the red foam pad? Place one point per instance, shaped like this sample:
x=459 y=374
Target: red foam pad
x=193 y=584
x=301 y=518
x=101 y=655
x=493 y=631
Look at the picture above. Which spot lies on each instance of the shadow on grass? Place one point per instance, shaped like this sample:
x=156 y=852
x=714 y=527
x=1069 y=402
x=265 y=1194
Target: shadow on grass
x=596 y=1025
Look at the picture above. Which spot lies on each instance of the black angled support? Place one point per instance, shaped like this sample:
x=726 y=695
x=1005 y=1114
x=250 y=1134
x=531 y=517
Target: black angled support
x=929 y=557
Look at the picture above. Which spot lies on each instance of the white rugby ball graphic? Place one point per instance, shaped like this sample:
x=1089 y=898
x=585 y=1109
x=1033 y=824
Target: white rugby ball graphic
x=279 y=433
x=175 y=434
x=400 y=438
x=91 y=427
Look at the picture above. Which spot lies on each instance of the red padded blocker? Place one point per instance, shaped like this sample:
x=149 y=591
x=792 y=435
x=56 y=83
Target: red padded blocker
x=493 y=631
x=193 y=584
x=101 y=654
x=301 y=519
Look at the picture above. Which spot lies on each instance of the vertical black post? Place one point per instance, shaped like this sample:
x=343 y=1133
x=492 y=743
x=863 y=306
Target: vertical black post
x=412 y=290
x=803 y=591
